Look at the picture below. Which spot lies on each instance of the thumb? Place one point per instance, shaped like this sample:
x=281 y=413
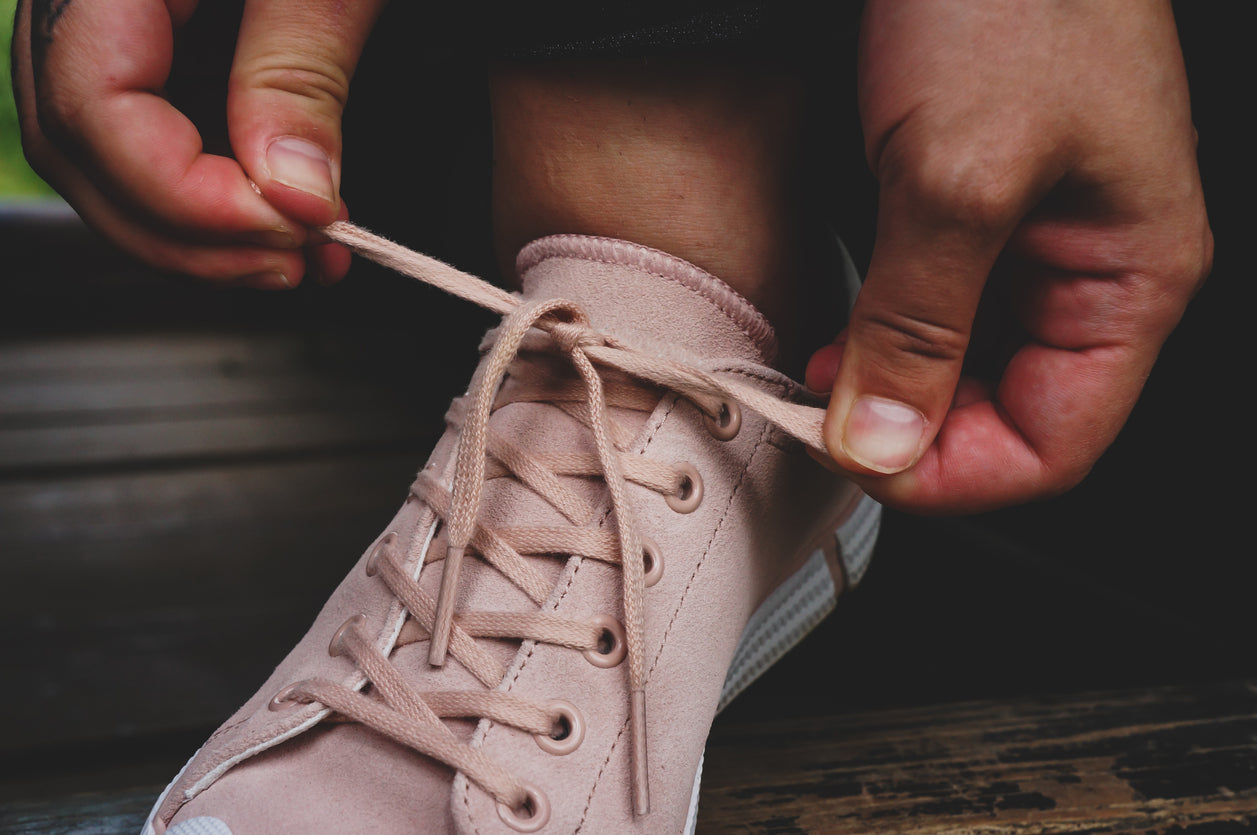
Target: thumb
x=289 y=84
x=909 y=329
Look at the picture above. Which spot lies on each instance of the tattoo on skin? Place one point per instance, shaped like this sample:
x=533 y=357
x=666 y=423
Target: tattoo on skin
x=44 y=16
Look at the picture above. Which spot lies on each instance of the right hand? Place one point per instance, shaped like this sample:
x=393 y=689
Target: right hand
x=1037 y=162
x=88 y=79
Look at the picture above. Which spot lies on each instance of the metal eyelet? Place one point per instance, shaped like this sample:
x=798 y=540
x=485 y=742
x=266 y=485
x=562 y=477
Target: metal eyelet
x=336 y=647
x=653 y=559
x=373 y=558
x=283 y=699
x=614 y=646
x=569 y=730
x=534 y=814
x=728 y=424
x=691 y=495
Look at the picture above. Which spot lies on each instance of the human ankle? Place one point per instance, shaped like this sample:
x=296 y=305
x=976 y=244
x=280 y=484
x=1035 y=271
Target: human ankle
x=700 y=160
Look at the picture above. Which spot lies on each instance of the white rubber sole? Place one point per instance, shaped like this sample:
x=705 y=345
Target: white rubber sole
x=793 y=610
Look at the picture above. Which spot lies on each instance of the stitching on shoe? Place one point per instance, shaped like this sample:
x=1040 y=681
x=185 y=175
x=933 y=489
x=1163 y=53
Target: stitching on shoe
x=467 y=804
x=737 y=488
x=759 y=443
x=580 y=824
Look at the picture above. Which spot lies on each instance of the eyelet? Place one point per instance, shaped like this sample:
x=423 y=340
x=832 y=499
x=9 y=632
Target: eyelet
x=691 y=490
x=573 y=725
x=283 y=699
x=653 y=559
x=616 y=646
x=727 y=426
x=373 y=558
x=336 y=647
x=534 y=814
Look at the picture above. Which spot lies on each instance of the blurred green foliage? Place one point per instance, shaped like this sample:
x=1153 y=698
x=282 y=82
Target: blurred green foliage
x=16 y=177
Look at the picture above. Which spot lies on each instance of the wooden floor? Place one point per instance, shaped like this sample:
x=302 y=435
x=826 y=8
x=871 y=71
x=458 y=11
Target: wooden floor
x=1170 y=760
x=178 y=497
x=1181 y=760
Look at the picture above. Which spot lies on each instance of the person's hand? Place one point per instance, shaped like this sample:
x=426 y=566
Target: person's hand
x=1036 y=160
x=90 y=77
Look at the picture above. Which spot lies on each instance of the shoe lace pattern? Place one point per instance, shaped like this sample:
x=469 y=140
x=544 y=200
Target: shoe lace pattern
x=413 y=718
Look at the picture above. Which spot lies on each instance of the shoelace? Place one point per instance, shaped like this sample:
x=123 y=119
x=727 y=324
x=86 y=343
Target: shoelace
x=414 y=719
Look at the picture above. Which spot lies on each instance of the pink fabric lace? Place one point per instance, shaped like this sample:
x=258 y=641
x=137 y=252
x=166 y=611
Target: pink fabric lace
x=413 y=718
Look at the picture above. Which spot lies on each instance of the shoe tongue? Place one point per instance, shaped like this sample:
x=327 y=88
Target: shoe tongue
x=647 y=298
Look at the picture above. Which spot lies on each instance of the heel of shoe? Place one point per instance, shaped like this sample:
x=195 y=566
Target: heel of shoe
x=799 y=604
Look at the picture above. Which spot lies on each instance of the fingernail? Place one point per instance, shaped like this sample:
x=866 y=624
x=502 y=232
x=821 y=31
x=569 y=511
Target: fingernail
x=269 y=281
x=815 y=391
x=302 y=165
x=882 y=434
x=822 y=370
x=275 y=239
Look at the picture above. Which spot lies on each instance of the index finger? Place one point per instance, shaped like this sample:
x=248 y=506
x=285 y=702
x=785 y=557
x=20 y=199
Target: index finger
x=99 y=69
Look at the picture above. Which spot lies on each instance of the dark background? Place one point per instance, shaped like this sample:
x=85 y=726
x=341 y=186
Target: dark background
x=1142 y=575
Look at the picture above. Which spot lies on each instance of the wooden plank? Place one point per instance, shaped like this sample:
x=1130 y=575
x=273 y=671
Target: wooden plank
x=141 y=603
x=151 y=672
x=111 y=543
x=102 y=400
x=121 y=813
x=336 y=357
x=1154 y=761
x=29 y=450
x=85 y=356
x=1169 y=761
x=43 y=405
x=150 y=400
x=139 y=379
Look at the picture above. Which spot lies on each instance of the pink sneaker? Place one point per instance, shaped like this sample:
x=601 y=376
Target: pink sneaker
x=491 y=664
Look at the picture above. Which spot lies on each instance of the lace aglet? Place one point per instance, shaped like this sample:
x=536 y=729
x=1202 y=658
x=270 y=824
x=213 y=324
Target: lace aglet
x=440 y=641
x=637 y=736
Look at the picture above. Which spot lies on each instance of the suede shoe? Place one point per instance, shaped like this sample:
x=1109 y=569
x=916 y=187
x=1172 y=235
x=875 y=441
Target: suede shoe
x=618 y=531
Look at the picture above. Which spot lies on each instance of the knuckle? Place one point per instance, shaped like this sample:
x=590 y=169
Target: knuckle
x=325 y=86
x=904 y=334
x=1188 y=263
x=961 y=184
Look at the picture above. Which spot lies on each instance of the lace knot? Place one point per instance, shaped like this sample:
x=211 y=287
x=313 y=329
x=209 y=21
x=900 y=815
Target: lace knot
x=569 y=336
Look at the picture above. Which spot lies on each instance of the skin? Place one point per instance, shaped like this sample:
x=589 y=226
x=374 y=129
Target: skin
x=1036 y=160
x=723 y=145
x=1037 y=170
x=94 y=124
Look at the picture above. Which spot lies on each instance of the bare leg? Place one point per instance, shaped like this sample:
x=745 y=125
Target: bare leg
x=701 y=160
